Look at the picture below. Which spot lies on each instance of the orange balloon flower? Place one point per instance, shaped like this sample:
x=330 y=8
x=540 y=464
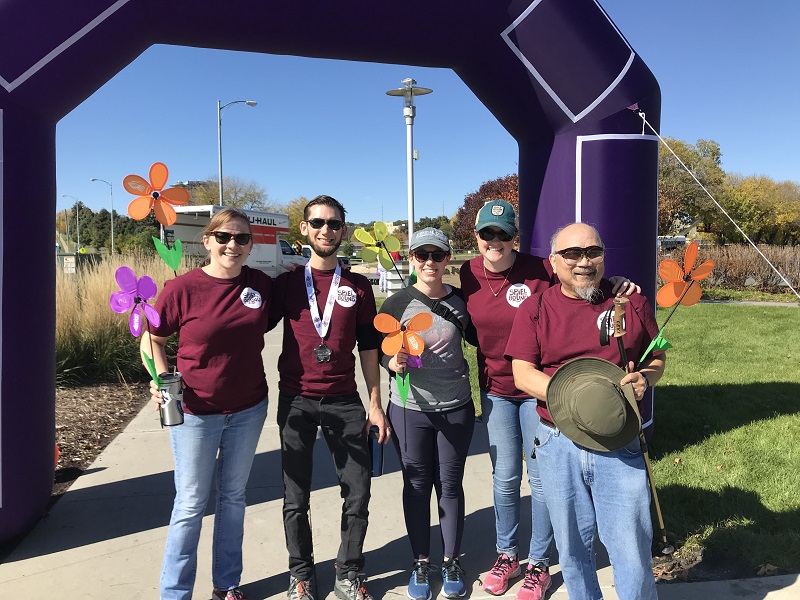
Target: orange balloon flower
x=681 y=282
x=152 y=195
x=403 y=336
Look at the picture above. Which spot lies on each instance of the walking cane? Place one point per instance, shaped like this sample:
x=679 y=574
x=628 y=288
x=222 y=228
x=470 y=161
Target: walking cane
x=619 y=331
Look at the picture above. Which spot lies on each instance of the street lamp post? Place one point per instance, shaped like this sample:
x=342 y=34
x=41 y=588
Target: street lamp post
x=77 y=220
x=408 y=91
x=111 y=193
x=220 y=108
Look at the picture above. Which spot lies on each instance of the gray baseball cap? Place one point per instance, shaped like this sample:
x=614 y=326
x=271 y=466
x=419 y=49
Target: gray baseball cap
x=429 y=236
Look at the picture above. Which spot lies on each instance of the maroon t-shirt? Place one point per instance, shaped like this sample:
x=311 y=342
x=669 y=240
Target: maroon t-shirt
x=351 y=322
x=221 y=325
x=558 y=329
x=493 y=315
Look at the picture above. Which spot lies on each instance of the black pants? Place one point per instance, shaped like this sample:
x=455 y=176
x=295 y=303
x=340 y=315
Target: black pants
x=342 y=419
x=433 y=449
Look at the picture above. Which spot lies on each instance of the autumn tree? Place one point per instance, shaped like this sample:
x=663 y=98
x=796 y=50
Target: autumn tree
x=295 y=211
x=503 y=188
x=768 y=212
x=237 y=192
x=680 y=200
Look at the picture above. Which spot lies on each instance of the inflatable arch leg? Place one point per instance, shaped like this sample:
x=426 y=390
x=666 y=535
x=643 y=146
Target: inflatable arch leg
x=557 y=75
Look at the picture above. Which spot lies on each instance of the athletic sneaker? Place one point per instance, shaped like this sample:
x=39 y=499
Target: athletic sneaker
x=300 y=589
x=453 y=584
x=232 y=594
x=419 y=588
x=536 y=583
x=498 y=577
x=351 y=587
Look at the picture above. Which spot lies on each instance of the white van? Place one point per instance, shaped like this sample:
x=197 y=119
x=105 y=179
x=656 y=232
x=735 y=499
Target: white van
x=271 y=254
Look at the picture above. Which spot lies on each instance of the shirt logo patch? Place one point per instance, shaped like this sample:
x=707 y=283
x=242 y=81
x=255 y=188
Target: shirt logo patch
x=251 y=298
x=517 y=293
x=346 y=297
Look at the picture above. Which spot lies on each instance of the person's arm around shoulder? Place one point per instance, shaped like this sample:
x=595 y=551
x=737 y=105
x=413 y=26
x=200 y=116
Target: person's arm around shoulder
x=623 y=286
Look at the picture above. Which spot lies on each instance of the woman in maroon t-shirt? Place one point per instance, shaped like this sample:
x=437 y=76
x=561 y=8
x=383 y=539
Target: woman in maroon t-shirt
x=221 y=312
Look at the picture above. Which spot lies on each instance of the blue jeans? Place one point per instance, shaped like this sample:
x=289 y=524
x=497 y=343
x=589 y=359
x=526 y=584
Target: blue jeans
x=195 y=445
x=511 y=424
x=603 y=493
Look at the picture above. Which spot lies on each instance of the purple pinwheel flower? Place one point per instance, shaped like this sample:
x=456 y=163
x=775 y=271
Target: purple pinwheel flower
x=135 y=291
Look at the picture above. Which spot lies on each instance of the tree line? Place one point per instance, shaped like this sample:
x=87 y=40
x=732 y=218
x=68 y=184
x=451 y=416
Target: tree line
x=768 y=211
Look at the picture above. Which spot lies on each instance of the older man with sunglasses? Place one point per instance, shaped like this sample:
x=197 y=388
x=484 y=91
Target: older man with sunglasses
x=326 y=311
x=599 y=490
x=494 y=285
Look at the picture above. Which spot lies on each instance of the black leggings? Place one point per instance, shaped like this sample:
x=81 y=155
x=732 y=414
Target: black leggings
x=433 y=449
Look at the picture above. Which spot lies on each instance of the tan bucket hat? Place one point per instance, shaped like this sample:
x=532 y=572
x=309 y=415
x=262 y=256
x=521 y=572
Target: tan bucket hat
x=589 y=406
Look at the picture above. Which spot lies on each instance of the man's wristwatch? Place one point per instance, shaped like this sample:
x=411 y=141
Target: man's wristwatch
x=646 y=381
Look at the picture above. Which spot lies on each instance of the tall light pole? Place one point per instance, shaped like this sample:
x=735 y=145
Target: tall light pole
x=111 y=193
x=408 y=91
x=220 y=108
x=77 y=220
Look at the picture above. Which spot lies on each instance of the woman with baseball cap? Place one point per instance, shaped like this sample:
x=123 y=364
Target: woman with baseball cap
x=433 y=423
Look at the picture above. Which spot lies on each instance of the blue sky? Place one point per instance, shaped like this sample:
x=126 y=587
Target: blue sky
x=728 y=71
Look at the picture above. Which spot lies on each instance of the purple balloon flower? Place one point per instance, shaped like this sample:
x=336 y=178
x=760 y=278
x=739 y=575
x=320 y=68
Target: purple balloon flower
x=135 y=292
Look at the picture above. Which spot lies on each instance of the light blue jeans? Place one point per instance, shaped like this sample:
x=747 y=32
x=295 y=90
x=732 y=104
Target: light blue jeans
x=204 y=446
x=603 y=493
x=511 y=424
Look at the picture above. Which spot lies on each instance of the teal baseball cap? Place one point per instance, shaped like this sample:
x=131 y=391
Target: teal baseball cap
x=497 y=213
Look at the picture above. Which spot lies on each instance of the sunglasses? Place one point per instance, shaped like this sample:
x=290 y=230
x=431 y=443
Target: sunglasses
x=333 y=224
x=435 y=256
x=241 y=239
x=487 y=235
x=573 y=255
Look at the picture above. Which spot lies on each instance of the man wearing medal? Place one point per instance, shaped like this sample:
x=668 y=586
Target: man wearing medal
x=326 y=311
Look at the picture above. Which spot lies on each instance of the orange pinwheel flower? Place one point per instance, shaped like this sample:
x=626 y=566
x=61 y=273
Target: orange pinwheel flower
x=151 y=195
x=681 y=282
x=403 y=336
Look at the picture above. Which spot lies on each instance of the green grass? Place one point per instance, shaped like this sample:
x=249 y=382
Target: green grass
x=747 y=295
x=726 y=442
x=726 y=445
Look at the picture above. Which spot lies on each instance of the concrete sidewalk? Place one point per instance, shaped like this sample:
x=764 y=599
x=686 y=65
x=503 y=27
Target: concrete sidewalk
x=104 y=539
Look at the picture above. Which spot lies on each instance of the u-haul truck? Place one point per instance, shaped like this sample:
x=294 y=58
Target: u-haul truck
x=271 y=254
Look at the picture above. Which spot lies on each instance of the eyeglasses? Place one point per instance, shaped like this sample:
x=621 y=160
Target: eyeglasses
x=487 y=235
x=333 y=224
x=241 y=239
x=573 y=255
x=435 y=256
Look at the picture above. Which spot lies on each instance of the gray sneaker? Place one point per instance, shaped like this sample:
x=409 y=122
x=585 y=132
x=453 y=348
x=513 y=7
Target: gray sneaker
x=300 y=590
x=352 y=587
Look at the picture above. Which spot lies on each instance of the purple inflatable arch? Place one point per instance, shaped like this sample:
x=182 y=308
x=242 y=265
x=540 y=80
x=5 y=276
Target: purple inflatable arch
x=557 y=75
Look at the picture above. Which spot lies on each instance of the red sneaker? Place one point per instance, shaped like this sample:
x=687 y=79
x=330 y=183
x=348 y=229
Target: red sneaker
x=232 y=594
x=537 y=582
x=504 y=569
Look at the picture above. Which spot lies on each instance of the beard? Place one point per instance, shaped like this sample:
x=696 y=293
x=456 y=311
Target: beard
x=591 y=293
x=326 y=251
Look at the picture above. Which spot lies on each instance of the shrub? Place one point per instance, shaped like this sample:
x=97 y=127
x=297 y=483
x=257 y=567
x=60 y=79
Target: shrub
x=93 y=343
x=740 y=267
